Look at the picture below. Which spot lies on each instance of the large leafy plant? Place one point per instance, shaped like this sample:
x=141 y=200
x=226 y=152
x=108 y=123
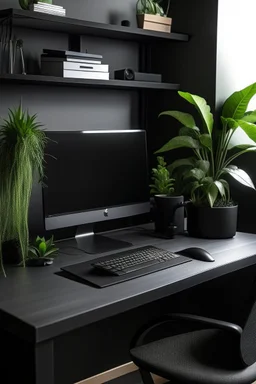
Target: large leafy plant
x=162 y=182
x=22 y=144
x=153 y=7
x=214 y=149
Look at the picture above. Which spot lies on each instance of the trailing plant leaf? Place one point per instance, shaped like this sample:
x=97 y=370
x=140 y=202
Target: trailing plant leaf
x=239 y=175
x=236 y=105
x=195 y=173
x=180 y=142
x=184 y=118
x=202 y=107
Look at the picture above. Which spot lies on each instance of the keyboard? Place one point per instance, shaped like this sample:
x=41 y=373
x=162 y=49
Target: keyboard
x=133 y=260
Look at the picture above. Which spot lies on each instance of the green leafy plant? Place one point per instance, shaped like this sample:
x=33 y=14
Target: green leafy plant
x=162 y=183
x=152 y=7
x=42 y=248
x=214 y=150
x=22 y=144
x=26 y=3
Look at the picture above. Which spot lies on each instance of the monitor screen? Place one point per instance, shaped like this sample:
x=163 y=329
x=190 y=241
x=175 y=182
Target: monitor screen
x=94 y=170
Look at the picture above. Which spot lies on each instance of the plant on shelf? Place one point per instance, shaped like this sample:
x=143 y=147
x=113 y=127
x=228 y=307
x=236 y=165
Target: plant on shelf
x=152 y=7
x=166 y=201
x=157 y=12
x=22 y=144
x=26 y=3
x=214 y=149
x=42 y=248
x=162 y=182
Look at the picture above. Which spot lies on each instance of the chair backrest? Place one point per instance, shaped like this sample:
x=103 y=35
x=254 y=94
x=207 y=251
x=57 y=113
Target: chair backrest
x=248 y=339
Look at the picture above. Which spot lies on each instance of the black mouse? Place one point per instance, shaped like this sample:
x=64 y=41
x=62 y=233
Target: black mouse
x=197 y=254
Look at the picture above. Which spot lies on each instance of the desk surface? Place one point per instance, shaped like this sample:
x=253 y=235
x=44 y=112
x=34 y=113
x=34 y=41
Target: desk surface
x=36 y=304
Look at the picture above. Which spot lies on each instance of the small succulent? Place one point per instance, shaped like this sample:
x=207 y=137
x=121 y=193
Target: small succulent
x=162 y=182
x=42 y=248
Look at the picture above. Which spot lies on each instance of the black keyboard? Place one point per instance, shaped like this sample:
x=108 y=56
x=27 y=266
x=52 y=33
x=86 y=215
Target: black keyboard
x=134 y=260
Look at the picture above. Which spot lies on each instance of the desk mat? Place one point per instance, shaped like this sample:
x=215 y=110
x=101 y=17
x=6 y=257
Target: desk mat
x=86 y=273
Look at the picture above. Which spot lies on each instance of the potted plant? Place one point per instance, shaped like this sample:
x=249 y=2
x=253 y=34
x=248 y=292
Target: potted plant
x=41 y=252
x=168 y=218
x=22 y=144
x=211 y=212
x=151 y=15
x=26 y=3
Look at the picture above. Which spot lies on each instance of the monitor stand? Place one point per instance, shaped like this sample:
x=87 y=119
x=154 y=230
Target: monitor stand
x=92 y=243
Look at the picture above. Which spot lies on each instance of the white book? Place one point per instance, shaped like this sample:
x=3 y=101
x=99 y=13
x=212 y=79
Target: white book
x=86 y=75
x=58 y=67
x=69 y=59
x=50 y=12
x=35 y=7
x=49 y=5
x=45 y=6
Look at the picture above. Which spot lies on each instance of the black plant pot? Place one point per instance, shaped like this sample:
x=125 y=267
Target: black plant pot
x=11 y=252
x=212 y=223
x=169 y=212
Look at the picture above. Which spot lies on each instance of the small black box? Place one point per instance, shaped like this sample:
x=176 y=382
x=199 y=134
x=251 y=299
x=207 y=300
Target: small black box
x=131 y=75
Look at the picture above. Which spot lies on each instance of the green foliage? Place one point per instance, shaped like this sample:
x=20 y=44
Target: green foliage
x=42 y=248
x=22 y=144
x=163 y=184
x=203 y=175
x=152 y=7
x=26 y=3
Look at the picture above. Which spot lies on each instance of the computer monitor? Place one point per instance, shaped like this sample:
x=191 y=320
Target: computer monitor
x=95 y=176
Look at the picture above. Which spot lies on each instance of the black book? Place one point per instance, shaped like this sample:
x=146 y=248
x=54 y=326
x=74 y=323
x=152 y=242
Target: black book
x=76 y=55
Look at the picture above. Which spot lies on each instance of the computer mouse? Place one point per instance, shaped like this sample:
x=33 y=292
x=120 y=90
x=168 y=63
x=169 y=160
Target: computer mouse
x=197 y=254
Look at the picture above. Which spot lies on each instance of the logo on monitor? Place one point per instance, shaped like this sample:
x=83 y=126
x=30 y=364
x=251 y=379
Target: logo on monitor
x=106 y=213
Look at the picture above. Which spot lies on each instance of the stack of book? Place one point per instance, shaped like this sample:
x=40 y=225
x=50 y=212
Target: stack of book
x=73 y=65
x=48 y=8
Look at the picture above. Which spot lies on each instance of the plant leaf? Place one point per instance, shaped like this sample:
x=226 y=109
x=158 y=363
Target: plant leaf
x=212 y=194
x=250 y=117
x=195 y=173
x=184 y=118
x=206 y=140
x=192 y=132
x=226 y=186
x=190 y=161
x=239 y=175
x=204 y=165
x=236 y=105
x=248 y=128
x=202 y=107
x=180 y=142
x=241 y=140
x=221 y=188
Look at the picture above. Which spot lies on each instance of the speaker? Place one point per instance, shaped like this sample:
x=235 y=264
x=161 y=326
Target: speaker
x=130 y=75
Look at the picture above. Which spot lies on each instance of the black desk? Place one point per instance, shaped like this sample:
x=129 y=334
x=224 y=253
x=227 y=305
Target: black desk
x=39 y=306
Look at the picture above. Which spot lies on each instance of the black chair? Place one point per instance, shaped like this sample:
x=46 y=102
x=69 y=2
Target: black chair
x=217 y=352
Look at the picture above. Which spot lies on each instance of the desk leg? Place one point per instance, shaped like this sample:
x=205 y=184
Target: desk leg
x=44 y=363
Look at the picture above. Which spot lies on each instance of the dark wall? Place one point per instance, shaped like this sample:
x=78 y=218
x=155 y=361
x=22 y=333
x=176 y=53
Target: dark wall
x=236 y=70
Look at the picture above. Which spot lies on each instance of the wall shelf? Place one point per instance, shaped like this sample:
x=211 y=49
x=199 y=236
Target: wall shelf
x=40 y=21
x=111 y=84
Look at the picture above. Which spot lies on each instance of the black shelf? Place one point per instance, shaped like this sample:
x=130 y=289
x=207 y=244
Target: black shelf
x=111 y=84
x=35 y=20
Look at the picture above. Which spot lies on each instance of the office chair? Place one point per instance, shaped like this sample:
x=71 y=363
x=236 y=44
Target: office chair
x=217 y=352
